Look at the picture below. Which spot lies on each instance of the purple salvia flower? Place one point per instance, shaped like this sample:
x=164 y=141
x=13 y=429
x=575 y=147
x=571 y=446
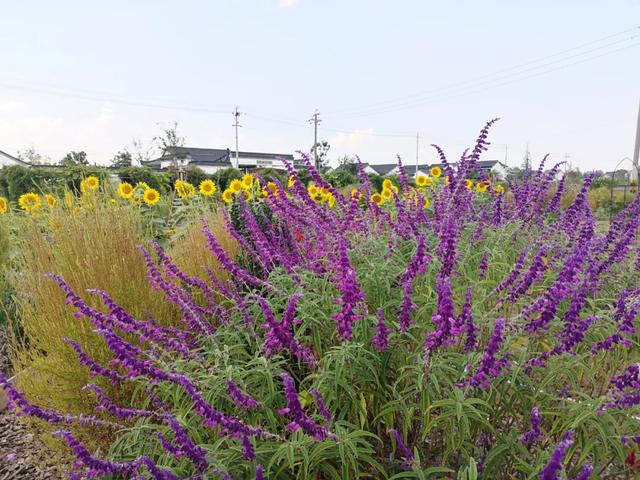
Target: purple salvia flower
x=322 y=408
x=484 y=263
x=227 y=263
x=554 y=466
x=105 y=403
x=248 y=451
x=554 y=204
x=490 y=366
x=404 y=450
x=381 y=340
x=416 y=267
x=188 y=448
x=279 y=335
x=515 y=272
x=295 y=411
x=533 y=435
x=239 y=398
x=94 y=367
x=444 y=319
x=585 y=473
x=259 y=472
x=351 y=294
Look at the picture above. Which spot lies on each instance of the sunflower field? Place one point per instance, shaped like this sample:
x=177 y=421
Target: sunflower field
x=445 y=326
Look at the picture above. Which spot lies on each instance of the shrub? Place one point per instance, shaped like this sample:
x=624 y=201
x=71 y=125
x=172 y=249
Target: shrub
x=388 y=341
x=133 y=175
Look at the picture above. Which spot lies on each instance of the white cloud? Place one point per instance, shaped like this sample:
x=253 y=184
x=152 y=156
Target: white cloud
x=286 y=3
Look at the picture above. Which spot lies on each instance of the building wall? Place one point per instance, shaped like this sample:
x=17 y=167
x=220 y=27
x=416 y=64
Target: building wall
x=7 y=161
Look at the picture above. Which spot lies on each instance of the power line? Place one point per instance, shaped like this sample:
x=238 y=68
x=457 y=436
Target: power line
x=491 y=84
x=107 y=98
x=401 y=101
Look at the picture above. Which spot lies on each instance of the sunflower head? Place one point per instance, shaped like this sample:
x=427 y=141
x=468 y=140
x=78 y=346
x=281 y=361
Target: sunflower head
x=151 y=196
x=313 y=190
x=425 y=202
x=436 y=172
x=482 y=186
x=51 y=200
x=89 y=184
x=125 y=190
x=499 y=190
x=291 y=182
x=235 y=186
x=272 y=188
x=227 y=195
x=386 y=193
x=331 y=200
x=207 y=187
x=421 y=180
x=4 y=205
x=184 y=189
x=468 y=184
x=247 y=181
x=29 y=201
x=376 y=198
x=386 y=184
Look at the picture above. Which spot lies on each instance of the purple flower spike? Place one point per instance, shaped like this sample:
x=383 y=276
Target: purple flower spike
x=381 y=341
x=259 y=472
x=322 y=408
x=406 y=452
x=239 y=398
x=299 y=418
x=585 y=473
x=553 y=468
x=533 y=435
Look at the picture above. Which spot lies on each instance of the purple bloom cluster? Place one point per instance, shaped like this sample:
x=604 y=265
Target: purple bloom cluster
x=239 y=398
x=407 y=454
x=351 y=294
x=381 y=340
x=299 y=417
x=533 y=434
x=490 y=365
x=554 y=466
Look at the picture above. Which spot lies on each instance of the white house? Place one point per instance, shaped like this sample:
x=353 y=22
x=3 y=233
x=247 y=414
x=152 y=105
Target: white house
x=7 y=160
x=210 y=160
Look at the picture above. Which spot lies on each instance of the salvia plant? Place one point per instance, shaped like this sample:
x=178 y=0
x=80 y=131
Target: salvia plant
x=483 y=333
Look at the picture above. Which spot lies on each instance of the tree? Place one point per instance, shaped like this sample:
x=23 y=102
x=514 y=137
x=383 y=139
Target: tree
x=348 y=164
x=122 y=159
x=322 y=148
x=74 y=158
x=141 y=153
x=30 y=155
x=169 y=138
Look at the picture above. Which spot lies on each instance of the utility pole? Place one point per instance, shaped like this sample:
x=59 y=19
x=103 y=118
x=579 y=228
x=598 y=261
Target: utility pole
x=417 y=151
x=236 y=117
x=636 y=151
x=315 y=120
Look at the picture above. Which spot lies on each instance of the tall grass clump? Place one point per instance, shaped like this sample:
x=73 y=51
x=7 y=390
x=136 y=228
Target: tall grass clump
x=458 y=329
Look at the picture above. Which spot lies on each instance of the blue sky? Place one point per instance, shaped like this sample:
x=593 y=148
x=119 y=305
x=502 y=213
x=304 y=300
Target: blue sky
x=371 y=67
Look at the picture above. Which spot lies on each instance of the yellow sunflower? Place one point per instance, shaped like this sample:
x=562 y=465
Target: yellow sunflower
x=387 y=183
x=331 y=201
x=151 y=196
x=386 y=194
x=125 y=190
x=313 y=190
x=436 y=172
x=499 y=190
x=376 y=198
x=247 y=181
x=482 y=186
x=291 y=182
x=272 y=188
x=51 y=200
x=227 y=195
x=355 y=193
x=425 y=202
x=143 y=185
x=421 y=180
x=468 y=183
x=89 y=184
x=184 y=189
x=207 y=187
x=29 y=201
x=4 y=205
x=235 y=186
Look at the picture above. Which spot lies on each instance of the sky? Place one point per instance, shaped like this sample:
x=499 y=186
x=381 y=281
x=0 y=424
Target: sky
x=563 y=76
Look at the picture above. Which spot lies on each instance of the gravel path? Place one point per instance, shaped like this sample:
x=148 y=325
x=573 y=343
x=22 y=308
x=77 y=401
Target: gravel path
x=22 y=455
